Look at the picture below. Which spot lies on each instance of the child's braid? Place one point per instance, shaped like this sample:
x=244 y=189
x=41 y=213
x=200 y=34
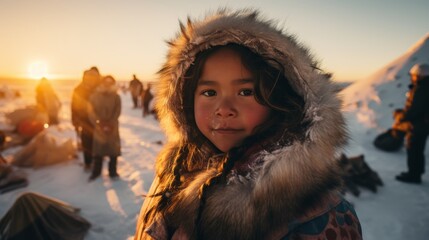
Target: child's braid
x=225 y=168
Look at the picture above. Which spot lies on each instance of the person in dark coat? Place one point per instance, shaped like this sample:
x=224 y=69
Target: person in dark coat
x=416 y=112
x=136 y=89
x=79 y=114
x=104 y=111
x=147 y=96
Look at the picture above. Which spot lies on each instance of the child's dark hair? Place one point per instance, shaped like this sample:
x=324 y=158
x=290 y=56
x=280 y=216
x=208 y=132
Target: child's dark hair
x=271 y=88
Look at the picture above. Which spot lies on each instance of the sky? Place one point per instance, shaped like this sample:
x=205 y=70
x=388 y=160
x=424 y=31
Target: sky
x=59 y=39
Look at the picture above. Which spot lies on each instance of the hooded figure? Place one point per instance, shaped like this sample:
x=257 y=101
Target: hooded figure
x=281 y=181
x=416 y=114
x=48 y=100
x=79 y=113
x=103 y=112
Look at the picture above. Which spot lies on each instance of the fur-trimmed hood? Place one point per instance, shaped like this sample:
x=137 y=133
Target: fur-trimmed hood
x=291 y=177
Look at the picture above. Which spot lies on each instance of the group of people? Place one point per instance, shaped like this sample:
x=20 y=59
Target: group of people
x=95 y=110
x=141 y=96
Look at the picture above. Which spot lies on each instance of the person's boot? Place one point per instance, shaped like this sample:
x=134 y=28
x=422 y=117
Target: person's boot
x=112 y=167
x=96 y=168
x=87 y=162
x=409 y=178
x=87 y=167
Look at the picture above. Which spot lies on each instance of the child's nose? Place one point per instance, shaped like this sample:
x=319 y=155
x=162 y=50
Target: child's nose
x=226 y=109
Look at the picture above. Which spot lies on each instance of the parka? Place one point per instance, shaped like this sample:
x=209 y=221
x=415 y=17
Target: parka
x=104 y=111
x=416 y=109
x=288 y=193
x=80 y=98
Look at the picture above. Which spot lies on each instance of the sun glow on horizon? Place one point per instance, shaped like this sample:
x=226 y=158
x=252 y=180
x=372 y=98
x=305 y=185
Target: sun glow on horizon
x=38 y=70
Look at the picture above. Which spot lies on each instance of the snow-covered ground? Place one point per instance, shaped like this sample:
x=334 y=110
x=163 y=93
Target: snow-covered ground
x=396 y=211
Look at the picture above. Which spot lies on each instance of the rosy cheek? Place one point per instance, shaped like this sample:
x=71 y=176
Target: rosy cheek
x=259 y=116
x=201 y=115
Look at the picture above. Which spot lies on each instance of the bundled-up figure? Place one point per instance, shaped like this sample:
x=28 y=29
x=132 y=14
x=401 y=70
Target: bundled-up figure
x=136 y=89
x=104 y=111
x=416 y=113
x=253 y=127
x=79 y=112
x=47 y=100
x=147 y=97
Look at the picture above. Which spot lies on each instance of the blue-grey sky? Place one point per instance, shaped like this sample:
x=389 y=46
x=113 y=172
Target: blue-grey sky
x=61 y=38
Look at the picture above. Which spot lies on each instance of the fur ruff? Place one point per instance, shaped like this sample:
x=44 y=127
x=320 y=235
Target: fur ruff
x=292 y=177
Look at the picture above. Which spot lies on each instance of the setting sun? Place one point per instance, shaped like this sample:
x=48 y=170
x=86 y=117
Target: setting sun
x=37 y=70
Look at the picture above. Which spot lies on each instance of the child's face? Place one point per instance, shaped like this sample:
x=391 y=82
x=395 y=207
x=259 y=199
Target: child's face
x=226 y=111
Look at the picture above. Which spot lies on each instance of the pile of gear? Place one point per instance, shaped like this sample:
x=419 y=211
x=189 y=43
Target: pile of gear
x=10 y=178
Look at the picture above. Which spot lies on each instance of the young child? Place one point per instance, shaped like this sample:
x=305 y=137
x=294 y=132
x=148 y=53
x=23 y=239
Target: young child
x=253 y=129
x=104 y=111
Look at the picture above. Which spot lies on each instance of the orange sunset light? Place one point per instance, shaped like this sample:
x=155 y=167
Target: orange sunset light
x=37 y=70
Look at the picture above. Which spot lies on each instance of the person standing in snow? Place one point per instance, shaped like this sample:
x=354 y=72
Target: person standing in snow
x=416 y=112
x=136 y=88
x=79 y=113
x=253 y=127
x=147 y=97
x=48 y=100
x=104 y=111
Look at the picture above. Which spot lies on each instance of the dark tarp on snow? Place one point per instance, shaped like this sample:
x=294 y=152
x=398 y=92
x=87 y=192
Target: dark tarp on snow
x=10 y=178
x=34 y=216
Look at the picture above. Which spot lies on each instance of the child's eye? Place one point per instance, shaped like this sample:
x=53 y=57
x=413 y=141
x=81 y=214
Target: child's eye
x=246 y=92
x=209 y=93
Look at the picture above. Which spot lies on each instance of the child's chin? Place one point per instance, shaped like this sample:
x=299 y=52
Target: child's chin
x=225 y=148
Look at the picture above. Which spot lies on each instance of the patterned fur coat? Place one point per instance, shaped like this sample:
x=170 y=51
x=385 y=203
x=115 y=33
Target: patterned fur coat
x=292 y=192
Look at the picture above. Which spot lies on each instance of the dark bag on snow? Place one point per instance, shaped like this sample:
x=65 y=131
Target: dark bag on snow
x=37 y=217
x=390 y=141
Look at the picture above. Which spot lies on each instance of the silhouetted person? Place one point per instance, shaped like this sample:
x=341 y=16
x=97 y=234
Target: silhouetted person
x=79 y=112
x=48 y=100
x=416 y=112
x=136 y=89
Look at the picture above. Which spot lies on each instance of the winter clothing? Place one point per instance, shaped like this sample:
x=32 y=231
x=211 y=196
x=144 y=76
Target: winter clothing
x=48 y=100
x=79 y=112
x=104 y=111
x=136 y=89
x=286 y=190
x=147 y=96
x=416 y=112
x=421 y=70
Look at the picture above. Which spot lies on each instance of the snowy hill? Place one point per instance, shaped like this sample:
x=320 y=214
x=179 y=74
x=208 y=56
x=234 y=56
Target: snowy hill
x=378 y=95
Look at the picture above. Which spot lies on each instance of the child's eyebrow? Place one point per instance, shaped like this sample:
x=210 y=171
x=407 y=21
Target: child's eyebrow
x=239 y=81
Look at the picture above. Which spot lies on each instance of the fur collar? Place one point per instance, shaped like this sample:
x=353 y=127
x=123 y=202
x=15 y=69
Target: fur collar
x=289 y=179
